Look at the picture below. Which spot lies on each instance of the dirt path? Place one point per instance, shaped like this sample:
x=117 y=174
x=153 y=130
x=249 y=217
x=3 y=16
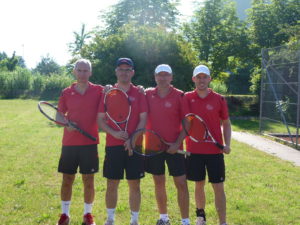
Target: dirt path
x=271 y=147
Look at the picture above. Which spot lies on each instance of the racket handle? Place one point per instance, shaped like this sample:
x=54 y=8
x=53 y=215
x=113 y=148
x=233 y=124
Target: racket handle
x=82 y=131
x=219 y=146
x=183 y=152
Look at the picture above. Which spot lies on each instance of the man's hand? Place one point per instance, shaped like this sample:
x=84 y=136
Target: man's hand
x=173 y=147
x=226 y=149
x=128 y=147
x=122 y=135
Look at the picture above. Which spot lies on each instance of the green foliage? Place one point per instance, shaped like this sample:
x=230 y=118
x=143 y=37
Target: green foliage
x=256 y=81
x=152 y=13
x=219 y=87
x=148 y=47
x=14 y=83
x=80 y=39
x=47 y=66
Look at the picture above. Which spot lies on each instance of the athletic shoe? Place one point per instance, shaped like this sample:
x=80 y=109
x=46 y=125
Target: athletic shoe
x=200 y=221
x=63 y=220
x=109 y=222
x=162 y=222
x=88 y=219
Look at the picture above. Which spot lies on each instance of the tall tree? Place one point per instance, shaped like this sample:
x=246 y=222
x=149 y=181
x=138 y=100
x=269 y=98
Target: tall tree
x=154 y=13
x=217 y=33
x=47 y=66
x=267 y=20
x=80 y=39
x=148 y=47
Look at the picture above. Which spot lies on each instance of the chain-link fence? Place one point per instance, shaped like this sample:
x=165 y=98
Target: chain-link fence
x=280 y=93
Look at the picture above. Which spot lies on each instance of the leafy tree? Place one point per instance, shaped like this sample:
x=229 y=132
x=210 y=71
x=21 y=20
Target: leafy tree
x=269 y=21
x=217 y=34
x=148 y=47
x=154 y=13
x=47 y=66
x=80 y=39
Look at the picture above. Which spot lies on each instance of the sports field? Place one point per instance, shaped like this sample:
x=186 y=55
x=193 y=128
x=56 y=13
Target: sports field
x=261 y=189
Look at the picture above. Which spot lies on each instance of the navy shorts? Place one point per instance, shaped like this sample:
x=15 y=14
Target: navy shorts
x=84 y=156
x=117 y=161
x=198 y=164
x=156 y=164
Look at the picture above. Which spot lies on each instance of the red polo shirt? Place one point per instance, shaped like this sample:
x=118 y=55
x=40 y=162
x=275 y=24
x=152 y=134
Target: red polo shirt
x=138 y=106
x=165 y=114
x=81 y=109
x=213 y=109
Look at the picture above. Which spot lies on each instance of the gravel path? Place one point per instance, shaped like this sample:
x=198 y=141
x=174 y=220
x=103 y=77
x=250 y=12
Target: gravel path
x=271 y=147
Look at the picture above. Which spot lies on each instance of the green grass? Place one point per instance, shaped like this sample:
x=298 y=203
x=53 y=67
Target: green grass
x=261 y=189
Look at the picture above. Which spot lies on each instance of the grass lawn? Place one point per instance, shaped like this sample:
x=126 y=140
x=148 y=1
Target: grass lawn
x=261 y=189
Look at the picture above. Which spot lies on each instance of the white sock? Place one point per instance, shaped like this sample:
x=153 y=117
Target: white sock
x=185 y=221
x=134 y=217
x=88 y=208
x=110 y=214
x=164 y=217
x=65 y=207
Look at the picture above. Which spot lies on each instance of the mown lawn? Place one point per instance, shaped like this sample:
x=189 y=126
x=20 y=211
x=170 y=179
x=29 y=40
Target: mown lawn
x=261 y=189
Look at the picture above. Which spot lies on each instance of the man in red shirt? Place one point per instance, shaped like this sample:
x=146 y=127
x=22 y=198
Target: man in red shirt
x=80 y=103
x=117 y=158
x=206 y=156
x=166 y=110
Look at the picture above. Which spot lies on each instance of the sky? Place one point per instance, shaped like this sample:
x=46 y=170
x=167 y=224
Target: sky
x=37 y=28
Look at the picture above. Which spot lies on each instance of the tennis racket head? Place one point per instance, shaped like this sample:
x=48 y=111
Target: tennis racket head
x=117 y=105
x=147 y=142
x=194 y=127
x=51 y=112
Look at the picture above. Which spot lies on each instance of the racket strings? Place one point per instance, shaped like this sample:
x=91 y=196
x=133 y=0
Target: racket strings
x=117 y=105
x=54 y=114
x=147 y=143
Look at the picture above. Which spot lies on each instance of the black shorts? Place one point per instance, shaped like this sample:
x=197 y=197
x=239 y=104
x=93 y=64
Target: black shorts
x=198 y=164
x=117 y=160
x=156 y=164
x=84 y=156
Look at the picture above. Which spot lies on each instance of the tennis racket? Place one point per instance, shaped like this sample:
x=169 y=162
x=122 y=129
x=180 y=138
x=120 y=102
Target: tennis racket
x=197 y=130
x=149 y=143
x=117 y=107
x=51 y=112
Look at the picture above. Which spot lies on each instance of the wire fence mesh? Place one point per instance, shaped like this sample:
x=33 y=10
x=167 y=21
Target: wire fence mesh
x=280 y=93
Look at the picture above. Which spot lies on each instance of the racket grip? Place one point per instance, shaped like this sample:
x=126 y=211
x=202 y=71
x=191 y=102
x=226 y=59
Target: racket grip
x=219 y=146
x=183 y=152
x=82 y=131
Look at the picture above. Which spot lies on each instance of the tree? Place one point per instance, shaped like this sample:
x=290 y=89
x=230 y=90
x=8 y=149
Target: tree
x=148 y=47
x=47 y=66
x=217 y=34
x=154 y=13
x=80 y=39
x=269 y=21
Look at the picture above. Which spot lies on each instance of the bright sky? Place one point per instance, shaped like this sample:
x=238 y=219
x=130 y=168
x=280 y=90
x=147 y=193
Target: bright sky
x=35 y=28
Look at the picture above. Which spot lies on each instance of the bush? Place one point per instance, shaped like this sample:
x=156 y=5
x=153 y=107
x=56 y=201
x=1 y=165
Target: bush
x=243 y=105
x=219 y=87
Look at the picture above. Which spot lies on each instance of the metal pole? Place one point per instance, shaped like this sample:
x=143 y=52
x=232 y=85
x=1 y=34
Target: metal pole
x=261 y=93
x=298 y=105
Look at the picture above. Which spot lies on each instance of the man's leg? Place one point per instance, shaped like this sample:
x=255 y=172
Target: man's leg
x=111 y=196
x=200 y=194
x=220 y=201
x=160 y=193
x=182 y=195
x=89 y=190
x=134 y=199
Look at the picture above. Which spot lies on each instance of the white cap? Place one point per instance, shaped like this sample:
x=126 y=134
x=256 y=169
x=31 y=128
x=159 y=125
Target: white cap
x=201 y=69
x=163 y=68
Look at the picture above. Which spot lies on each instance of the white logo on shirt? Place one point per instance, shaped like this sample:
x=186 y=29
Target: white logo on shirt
x=209 y=107
x=72 y=93
x=168 y=104
x=193 y=100
x=132 y=99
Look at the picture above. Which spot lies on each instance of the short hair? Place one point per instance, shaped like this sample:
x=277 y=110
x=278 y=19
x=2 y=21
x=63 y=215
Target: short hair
x=85 y=61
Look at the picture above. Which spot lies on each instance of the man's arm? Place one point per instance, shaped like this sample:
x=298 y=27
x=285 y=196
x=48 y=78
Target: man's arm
x=227 y=135
x=122 y=135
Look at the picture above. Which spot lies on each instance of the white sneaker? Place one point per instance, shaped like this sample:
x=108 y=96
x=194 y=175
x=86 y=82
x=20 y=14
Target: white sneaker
x=109 y=222
x=200 y=221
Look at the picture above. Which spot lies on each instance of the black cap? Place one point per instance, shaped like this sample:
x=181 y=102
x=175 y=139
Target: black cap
x=127 y=61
